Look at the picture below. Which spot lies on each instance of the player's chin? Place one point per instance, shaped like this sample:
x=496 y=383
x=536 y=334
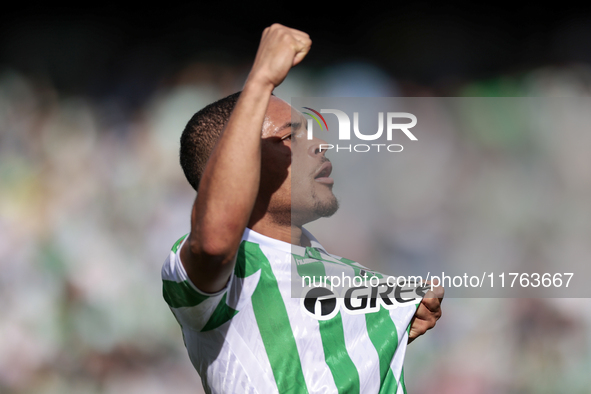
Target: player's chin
x=327 y=207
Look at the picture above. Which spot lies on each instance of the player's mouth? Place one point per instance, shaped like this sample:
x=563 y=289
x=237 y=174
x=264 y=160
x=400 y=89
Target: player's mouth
x=323 y=174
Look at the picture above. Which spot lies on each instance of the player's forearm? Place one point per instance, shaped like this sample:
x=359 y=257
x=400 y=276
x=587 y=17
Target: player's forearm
x=230 y=183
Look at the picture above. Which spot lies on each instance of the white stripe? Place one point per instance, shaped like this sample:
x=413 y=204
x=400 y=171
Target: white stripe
x=399 y=315
x=248 y=344
x=196 y=317
x=228 y=373
x=362 y=352
x=399 y=390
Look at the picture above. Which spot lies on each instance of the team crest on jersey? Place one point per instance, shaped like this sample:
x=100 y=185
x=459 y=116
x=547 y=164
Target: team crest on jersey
x=322 y=303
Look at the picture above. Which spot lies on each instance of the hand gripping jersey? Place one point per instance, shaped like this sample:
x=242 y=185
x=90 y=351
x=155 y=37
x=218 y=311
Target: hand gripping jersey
x=253 y=337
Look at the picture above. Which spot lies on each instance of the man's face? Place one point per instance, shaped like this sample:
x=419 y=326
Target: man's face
x=295 y=175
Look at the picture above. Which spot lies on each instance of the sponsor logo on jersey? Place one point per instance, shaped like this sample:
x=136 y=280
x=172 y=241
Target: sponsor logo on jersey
x=323 y=304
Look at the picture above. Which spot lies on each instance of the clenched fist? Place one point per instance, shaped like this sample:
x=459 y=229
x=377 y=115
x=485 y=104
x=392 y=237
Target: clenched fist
x=280 y=49
x=427 y=314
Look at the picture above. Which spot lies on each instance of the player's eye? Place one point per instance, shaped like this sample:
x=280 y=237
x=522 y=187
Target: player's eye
x=287 y=137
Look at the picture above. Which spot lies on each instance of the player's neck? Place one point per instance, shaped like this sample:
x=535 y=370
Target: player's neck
x=281 y=232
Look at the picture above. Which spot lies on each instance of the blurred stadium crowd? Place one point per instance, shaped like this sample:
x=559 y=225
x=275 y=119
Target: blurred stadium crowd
x=92 y=197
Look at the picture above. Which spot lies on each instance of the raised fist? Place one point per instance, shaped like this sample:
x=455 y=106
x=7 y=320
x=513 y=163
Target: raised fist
x=280 y=49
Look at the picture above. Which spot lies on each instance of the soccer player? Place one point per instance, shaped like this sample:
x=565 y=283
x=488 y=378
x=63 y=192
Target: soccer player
x=228 y=282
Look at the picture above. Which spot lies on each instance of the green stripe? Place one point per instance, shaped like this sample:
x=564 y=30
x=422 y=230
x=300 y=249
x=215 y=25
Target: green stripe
x=314 y=270
x=176 y=245
x=390 y=384
x=313 y=253
x=181 y=294
x=222 y=314
x=343 y=370
x=244 y=267
x=273 y=322
x=382 y=333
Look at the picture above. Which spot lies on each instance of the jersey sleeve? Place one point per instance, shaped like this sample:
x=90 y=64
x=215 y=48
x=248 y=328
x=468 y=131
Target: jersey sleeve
x=192 y=307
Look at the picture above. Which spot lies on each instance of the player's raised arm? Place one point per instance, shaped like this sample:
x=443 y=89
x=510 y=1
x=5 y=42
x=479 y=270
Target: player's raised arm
x=230 y=182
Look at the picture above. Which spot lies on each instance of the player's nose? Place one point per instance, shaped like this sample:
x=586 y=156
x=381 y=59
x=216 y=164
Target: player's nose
x=317 y=147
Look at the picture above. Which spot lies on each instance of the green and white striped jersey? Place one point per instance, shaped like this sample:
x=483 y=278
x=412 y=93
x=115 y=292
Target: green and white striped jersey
x=253 y=337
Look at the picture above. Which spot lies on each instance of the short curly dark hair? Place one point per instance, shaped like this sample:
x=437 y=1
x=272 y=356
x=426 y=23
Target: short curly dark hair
x=201 y=134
